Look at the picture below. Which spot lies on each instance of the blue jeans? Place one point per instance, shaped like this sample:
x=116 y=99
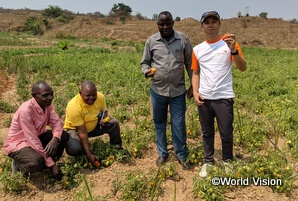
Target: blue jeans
x=177 y=111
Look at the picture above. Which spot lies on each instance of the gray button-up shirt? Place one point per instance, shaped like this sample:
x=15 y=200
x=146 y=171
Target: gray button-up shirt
x=169 y=59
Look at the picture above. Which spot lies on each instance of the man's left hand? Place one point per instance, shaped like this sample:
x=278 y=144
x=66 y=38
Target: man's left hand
x=52 y=147
x=231 y=41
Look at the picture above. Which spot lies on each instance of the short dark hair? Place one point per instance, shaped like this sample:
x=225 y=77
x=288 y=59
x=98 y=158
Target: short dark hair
x=87 y=83
x=37 y=86
x=165 y=13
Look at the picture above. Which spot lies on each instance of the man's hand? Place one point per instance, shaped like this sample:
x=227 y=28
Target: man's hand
x=230 y=39
x=52 y=147
x=56 y=172
x=198 y=98
x=151 y=72
x=92 y=159
x=189 y=92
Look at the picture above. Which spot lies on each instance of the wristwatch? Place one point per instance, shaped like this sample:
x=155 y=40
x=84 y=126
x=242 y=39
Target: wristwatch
x=235 y=53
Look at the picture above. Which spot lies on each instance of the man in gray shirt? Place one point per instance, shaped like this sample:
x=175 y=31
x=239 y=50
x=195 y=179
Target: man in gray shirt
x=165 y=55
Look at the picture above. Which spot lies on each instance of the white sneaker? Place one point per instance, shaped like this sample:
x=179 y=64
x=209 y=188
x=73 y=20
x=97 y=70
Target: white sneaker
x=203 y=172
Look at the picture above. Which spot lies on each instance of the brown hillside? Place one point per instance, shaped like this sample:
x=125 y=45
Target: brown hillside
x=250 y=31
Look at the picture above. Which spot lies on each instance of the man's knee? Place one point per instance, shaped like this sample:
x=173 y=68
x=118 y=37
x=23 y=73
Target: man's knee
x=35 y=164
x=115 y=123
x=74 y=147
x=64 y=137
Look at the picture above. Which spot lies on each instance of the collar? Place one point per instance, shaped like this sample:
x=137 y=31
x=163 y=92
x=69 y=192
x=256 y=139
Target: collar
x=36 y=105
x=213 y=41
x=174 y=37
x=81 y=100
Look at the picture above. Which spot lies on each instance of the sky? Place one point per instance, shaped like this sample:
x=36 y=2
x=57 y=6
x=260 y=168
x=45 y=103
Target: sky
x=285 y=9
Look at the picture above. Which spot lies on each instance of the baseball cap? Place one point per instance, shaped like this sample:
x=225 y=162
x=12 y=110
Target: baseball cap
x=210 y=14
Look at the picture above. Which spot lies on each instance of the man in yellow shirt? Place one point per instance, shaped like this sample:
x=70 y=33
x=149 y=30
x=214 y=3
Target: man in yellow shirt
x=85 y=118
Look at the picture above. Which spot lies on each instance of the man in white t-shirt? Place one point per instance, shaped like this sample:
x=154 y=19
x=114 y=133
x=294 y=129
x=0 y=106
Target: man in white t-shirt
x=212 y=86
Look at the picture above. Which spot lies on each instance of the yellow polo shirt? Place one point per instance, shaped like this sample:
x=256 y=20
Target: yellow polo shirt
x=79 y=113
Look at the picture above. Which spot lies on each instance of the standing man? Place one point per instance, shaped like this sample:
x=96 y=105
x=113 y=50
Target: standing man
x=165 y=55
x=212 y=86
x=28 y=143
x=85 y=115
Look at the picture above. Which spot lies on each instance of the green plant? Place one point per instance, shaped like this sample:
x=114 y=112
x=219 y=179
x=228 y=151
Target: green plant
x=52 y=11
x=11 y=183
x=6 y=107
x=265 y=108
x=88 y=188
x=263 y=15
x=35 y=25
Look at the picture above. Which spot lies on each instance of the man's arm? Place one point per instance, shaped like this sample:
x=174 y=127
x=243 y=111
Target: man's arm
x=146 y=59
x=195 y=85
x=57 y=128
x=234 y=47
x=240 y=62
x=31 y=136
x=83 y=135
x=55 y=122
x=188 y=57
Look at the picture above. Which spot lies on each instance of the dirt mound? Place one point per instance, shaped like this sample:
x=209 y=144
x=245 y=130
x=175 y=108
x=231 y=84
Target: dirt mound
x=250 y=31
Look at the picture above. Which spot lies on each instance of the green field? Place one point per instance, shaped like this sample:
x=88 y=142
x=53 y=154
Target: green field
x=266 y=110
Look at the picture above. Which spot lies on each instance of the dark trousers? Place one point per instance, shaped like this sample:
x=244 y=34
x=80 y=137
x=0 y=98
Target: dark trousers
x=222 y=110
x=30 y=161
x=74 y=146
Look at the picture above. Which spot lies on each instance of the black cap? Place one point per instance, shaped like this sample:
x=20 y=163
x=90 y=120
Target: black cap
x=210 y=14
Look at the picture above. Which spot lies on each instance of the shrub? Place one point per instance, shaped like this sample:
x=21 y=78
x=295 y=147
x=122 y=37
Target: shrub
x=52 y=11
x=6 y=107
x=35 y=25
x=140 y=16
x=263 y=15
x=294 y=20
x=66 y=17
x=177 y=19
x=122 y=18
x=121 y=10
x=154 y=16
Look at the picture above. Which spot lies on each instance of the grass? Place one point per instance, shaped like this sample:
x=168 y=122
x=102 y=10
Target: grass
x=266 y=110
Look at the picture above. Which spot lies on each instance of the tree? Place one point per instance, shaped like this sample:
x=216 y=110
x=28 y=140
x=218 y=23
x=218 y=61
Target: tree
x=53 y=12
x=155 y=16
x=177 y=19
x=239 y=14
x=98 y=14
x=140 y=16
x=263 y=15
x=121 y=9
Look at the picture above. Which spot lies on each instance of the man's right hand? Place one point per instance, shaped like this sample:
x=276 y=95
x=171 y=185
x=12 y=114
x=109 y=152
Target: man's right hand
x=150 y=72
x=92 y=159
x=56 y=172
x=198 y=98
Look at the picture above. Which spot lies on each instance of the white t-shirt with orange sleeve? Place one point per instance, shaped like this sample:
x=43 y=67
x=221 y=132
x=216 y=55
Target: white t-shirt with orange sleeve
x=214 y=61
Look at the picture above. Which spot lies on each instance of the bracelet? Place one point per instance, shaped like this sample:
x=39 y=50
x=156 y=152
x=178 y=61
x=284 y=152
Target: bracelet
x=235 y=53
